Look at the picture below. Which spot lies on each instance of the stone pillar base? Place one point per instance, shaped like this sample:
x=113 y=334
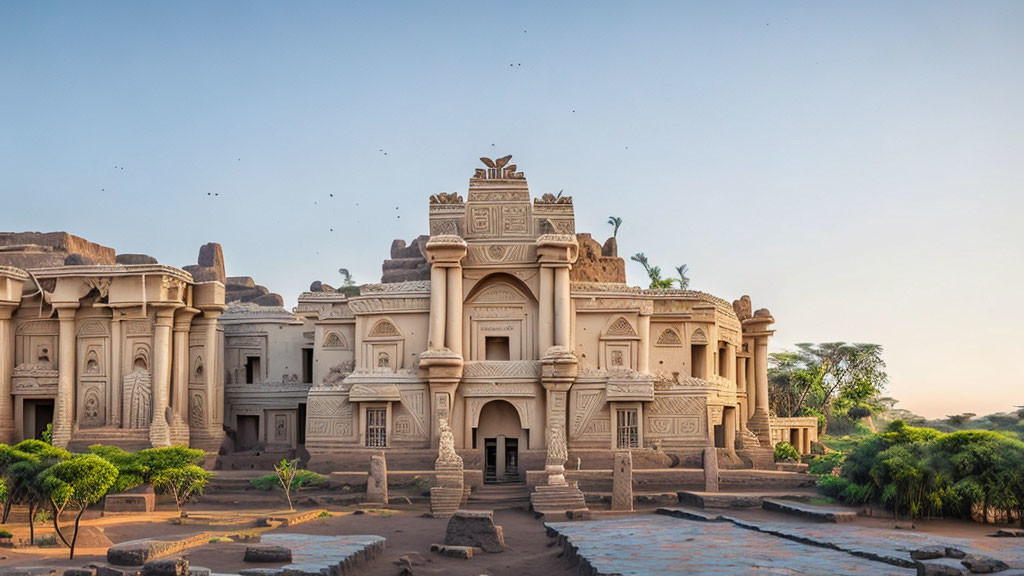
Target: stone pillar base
x=760 y=425
x=557 y=499
x=449 y=494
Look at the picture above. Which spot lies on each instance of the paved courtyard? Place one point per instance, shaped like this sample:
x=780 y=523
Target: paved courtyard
x=663 y=545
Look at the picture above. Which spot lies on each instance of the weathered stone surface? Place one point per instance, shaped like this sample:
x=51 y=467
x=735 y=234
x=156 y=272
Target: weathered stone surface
x=940 y=567
x=135 y=259
x=80 y=572
x=103 y=570
x=211 y=255
x=317 y=555
x=622 y=483
x=816 y=513
x=928 y=552
x=139 y=552
x=408 y=262
x=267 y=553
x=240 y=282
x=464 y=552
x=377 y=480
x=710 y=470
x=1009 y=533
x=166 y=567
x=983 y=564
x=268 y=300
x=593 y=265
x=78 y=260
x=47 y=249
x=140 y=499
x=29 y=571
x=474 y=528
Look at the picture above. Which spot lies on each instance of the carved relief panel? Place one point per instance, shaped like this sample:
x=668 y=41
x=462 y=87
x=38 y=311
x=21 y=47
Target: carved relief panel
x=36 y=344
x=674 y=417
x=501 y=322
x=619 y=345
x=93 y=371
x=329 y=417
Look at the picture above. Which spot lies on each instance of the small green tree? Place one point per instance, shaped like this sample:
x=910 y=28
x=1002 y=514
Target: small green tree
x=131 y=471
x=958 y=420
x=78 y=483
x=286 y=470
x=785 y=452
x=24 y=472
x=615 y=221
x=182 y=483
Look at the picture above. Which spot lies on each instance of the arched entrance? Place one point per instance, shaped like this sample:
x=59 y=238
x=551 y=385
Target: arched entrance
x=500 y=435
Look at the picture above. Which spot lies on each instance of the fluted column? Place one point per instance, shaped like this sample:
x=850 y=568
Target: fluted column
x=644 y=354
x=438 y=316
x=6 y=366
x=453 y=329
x=563 y=307
x=179 y=383
x=546 y=312
x=64 y=410
x=761 y=372
x=748 y=367
x=159 y=431
x=741 y=387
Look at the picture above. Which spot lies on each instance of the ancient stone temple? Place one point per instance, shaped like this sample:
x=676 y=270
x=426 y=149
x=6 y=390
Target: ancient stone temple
x=524 y=329
x=109 y=352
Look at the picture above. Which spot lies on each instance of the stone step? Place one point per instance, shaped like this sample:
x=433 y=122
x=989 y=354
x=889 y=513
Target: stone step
x=809 y=511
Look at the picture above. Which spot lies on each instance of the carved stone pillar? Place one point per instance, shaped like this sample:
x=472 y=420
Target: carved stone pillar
x=756 y=330
x=438 y=316
x=644 y=354
x=159 y=428
x=563 y=308
x=180 y=366
x=6 y=366
x=116 y=369
x=453 y=329
x=730 y=362
x=741 y=388
x=64 y=410
x=748 y=366
x=546 y=311
x=729 y=429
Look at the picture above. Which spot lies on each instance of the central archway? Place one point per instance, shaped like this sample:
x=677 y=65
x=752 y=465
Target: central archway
x=500 y=436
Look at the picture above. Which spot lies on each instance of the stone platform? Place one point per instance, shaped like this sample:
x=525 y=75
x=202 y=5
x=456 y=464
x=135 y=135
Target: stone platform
x=318 y=555
x=809 y=511
x=698 y=499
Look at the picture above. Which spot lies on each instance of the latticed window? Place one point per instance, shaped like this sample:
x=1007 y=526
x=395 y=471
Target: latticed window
x=628 y=435
x=376 y=428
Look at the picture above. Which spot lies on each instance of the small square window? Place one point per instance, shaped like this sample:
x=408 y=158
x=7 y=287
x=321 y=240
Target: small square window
x=496 y=348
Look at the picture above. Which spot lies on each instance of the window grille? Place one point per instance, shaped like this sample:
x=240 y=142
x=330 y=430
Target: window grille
x=628 y=435
x=376 y=428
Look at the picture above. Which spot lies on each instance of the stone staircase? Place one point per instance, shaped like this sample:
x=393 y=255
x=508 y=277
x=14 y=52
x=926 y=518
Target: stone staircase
x=557 y=499
x=500 y=496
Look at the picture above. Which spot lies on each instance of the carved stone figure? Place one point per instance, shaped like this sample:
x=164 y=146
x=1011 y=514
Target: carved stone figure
x=446 y=455
x=377 y=482
x=742 y=307
x=446 y=198
x=139 y=385
x=558 y=453
x=622 y=481
x=338 y=372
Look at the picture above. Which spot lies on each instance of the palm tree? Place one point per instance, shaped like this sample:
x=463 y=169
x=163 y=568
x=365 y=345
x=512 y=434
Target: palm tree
x=653 y=272
x=684 y=280
x=348 y=277
x=616 y=222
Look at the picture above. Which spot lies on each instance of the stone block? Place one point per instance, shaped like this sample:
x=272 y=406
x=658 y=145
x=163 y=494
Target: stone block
x=474 y=528
x=268 y=300
x=983 y=564
x=1009 y=533
x=139 y=552
x=166 y=567
x=927 y=552
x=710 y=470
x=135 y=259
x=267 y=553
x=140 y=499
x=464 y=552
x=80 y=572
x=377 y=480
x=939 y=567
x=622 y=481
x=241 y=282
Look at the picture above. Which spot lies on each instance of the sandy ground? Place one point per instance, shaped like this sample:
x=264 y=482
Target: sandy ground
x=529 y=550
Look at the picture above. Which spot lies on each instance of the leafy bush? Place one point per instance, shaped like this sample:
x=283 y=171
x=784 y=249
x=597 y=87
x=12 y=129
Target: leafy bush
x=784 y=452
x=6 y=534
x=824 y=465
x=833 y=486
x=859 y=411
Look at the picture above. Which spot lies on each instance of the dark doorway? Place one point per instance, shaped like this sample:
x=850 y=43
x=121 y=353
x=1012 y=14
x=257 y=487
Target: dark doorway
x=38 y=415
x=501 y=460
x=248 y=432
x=307 y=365
x=301 y=424
x=252 y=369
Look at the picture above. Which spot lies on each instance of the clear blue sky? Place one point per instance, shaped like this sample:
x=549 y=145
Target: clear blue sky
x=855 y=167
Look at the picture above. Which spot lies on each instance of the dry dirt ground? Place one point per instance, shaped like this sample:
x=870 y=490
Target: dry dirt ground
x=529 y=550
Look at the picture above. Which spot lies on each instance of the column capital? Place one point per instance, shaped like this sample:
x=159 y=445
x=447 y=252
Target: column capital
x=557 y=249
x=446 y=250
x=66 y=311
x=7 y=310
x=183 y=319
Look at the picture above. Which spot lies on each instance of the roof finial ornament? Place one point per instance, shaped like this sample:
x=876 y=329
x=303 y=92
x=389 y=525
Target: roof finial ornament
x=498 y=169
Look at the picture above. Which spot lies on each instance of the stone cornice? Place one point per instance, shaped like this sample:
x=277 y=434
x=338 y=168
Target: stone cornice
x=12 y=272
x=112 y=270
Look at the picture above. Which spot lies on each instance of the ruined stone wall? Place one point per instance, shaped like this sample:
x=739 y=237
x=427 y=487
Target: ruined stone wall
x=595 y=266
x=47 y=249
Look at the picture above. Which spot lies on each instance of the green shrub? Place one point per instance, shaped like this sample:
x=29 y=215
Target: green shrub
x=784 y=452
x=6 y=534
x=824 y=465
x=833 y=486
